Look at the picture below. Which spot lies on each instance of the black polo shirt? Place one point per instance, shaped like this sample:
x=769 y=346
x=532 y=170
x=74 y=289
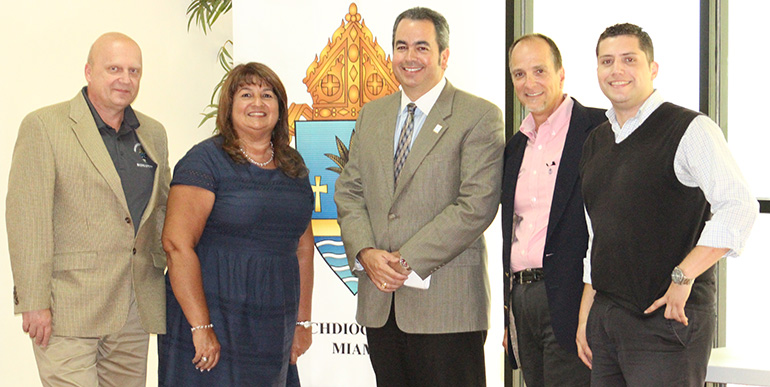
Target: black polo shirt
x=134 y=166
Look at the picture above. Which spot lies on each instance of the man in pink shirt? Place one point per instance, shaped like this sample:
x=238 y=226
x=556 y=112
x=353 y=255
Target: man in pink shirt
x=544 y=228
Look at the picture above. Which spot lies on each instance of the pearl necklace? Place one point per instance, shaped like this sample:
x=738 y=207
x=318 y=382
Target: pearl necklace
x=246 y=155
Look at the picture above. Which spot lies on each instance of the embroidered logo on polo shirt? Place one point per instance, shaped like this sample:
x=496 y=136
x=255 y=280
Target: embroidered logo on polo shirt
x=138 y=149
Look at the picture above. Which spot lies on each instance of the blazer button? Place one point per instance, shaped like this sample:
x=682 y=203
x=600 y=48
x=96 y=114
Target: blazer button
x=128 y=220
x=392 y=216
x=134 y=251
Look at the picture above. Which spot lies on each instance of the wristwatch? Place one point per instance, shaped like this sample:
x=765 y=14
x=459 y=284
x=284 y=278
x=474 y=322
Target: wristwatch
x=678 y=277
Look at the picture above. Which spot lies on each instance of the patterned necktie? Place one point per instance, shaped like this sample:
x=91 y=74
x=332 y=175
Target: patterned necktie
x=404 y=143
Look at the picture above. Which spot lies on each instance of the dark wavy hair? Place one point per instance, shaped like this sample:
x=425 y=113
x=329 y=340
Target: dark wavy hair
x=645 y=43
x=287 y=159
x=422 y=13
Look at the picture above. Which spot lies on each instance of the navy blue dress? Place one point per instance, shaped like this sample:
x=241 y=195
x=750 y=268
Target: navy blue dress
x=248 y=256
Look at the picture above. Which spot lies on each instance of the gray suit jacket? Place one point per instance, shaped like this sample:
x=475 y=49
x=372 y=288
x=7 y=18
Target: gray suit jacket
x=447 y=195
x=70 y=234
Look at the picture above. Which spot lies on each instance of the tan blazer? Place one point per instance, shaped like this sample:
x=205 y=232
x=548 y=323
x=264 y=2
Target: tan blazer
x=70 y=234
x=448 y=194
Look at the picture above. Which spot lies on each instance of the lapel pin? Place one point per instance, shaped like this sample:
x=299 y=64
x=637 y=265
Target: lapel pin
x=437 y=128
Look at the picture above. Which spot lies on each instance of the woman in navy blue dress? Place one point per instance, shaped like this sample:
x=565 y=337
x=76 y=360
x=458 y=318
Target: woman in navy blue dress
x=239 y=246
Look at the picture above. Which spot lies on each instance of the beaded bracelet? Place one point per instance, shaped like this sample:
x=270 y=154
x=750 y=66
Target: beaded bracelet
x=193 y=329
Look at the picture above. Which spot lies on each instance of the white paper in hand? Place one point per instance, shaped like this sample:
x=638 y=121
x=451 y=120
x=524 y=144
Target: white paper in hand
x=414 y=281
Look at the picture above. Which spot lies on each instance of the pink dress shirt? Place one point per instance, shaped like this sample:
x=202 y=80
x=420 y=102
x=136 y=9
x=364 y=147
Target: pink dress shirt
x=534 y=189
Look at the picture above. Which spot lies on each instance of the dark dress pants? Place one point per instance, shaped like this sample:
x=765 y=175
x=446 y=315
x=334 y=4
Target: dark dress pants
x=633 y=349
x=542 y=360
x=403 y=359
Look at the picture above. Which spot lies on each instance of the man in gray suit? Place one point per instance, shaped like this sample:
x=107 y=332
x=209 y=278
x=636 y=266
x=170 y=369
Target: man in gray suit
x=421 y=186
x=86 y=202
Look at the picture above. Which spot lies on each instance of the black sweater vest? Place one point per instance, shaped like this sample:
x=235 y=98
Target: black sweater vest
x=644 y=220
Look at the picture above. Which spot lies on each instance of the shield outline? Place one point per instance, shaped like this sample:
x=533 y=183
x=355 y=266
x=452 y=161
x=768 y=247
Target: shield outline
x=315 y=141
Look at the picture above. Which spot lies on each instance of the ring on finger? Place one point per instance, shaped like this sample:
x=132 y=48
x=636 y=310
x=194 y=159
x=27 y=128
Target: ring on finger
x=204 y=358
x=384 y=285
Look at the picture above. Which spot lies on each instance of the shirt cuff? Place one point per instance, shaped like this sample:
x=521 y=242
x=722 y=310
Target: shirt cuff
x=720 y=236
x=358 y=266
x=587 y=270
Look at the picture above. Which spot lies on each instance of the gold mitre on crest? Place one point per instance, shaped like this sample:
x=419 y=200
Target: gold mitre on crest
x=351 y=70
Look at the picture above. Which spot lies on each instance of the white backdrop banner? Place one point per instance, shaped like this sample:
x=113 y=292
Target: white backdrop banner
x=333 y=57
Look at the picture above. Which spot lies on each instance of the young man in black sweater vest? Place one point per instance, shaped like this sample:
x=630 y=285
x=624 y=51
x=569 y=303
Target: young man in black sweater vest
x=665 y=201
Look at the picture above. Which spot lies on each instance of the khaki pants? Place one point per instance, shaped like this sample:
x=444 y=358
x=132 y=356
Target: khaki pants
x=118 y=359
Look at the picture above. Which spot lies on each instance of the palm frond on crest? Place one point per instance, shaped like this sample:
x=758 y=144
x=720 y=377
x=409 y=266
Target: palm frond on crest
x=344 y=154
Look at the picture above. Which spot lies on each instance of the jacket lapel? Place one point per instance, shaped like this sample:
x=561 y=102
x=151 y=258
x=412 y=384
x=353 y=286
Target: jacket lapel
x=88 y=135
x=383 y=155
x=569 y=172
x=149 y=147
x=510 y=178
x=431 y=131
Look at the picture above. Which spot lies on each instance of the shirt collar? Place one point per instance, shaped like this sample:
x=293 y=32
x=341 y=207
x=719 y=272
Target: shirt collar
x=562 y=113
x=650 y=105
x=426 y=102
x=130 y=122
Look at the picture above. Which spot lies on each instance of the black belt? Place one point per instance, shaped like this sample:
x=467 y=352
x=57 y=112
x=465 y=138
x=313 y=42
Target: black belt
x=528 y=276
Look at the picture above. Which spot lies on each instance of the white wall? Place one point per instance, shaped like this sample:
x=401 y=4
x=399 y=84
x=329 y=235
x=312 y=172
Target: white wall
x=749 y=136
x=44 y=46
x=576 y=28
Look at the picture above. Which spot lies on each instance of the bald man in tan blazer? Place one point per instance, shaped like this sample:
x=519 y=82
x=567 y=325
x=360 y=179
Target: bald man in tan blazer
x=85 y=248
